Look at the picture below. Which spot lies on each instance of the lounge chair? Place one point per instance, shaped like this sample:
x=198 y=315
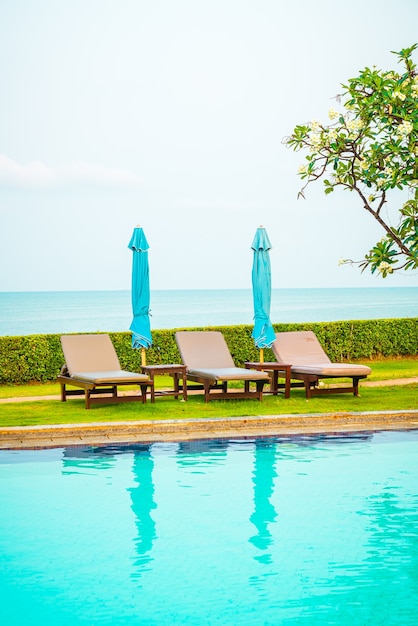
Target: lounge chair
x=310 y=364
x=209 y=362
x=91 y=363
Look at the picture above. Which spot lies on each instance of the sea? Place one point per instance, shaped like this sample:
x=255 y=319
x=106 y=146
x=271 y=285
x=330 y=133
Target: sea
x=45 y=312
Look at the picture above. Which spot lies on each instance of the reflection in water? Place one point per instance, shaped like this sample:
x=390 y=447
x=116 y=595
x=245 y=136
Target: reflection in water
x=201 y=452
x=79 y=460
x=264 y=512
x=286 y=531
x=142 y=498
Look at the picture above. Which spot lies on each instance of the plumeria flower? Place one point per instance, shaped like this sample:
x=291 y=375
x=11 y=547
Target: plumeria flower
x=355 y=125
x=385 y=268
x=405 y=128
x=333 y=114
x=398 y=95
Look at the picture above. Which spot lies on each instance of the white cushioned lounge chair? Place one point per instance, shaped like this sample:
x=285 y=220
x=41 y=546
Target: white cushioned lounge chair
x=310 y=363
x=209 y=362
x=91 y=363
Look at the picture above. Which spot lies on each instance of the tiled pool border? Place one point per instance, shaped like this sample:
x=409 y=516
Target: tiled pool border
x=98 y=433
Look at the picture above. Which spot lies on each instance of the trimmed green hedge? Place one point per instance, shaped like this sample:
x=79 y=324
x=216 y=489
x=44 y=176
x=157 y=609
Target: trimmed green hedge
x=38 y=358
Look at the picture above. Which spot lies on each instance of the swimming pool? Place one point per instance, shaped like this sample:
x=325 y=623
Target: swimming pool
x=292 y=530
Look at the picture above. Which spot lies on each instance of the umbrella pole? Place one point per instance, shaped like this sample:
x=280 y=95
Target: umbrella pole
x=261 y=355
x=143 y=357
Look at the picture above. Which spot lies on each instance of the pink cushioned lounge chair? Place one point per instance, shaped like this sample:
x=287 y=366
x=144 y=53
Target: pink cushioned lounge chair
x=209 y=362
x=302 y=350
x=91 y=363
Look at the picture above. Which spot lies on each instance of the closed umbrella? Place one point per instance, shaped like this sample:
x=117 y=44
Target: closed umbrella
x=140 y=327
x=263 y=332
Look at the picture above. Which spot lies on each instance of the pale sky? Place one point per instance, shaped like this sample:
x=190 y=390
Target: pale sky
x=170 y=114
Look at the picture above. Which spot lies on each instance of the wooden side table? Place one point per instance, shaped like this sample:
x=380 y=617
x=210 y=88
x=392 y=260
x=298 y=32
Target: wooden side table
x=275 y=369
x=176 y=371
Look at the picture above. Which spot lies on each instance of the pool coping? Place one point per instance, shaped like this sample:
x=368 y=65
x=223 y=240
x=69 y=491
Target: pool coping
x=148 y=431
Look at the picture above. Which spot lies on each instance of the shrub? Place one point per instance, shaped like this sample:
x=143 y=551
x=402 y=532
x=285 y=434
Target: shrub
x=38 y=358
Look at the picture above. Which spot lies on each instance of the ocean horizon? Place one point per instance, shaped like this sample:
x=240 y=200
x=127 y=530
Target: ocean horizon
x=50 y=312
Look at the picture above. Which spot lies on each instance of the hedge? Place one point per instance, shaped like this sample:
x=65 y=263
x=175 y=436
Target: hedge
x=38 y=358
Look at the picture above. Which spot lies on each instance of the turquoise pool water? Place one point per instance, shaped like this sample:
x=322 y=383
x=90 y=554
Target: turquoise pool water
x=310 y=530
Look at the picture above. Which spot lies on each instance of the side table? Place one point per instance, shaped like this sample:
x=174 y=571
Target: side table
x=176 y=371
x=275 y=369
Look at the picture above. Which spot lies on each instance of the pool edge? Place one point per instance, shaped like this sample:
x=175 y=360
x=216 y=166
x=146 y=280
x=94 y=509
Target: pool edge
x=99 y=433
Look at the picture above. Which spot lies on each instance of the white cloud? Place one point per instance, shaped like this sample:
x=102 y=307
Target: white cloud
x=37 y=175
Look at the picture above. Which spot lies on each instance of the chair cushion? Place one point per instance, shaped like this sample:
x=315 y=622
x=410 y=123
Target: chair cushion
x=333 y=369
x=299 y=348
x=228 y=373
x=115 y=377
x=201 y=349
x=89 y=353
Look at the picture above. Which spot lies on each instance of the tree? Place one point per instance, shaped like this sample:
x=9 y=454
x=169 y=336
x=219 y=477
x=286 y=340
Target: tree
x=371 y=148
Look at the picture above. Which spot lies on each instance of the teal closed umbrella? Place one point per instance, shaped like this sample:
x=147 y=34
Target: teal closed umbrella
x=263 y=332
x=140 y=327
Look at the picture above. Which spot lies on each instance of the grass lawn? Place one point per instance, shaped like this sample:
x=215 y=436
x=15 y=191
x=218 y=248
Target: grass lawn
x=386 y=398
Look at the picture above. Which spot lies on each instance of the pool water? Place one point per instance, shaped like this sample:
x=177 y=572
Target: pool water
x=305 y=530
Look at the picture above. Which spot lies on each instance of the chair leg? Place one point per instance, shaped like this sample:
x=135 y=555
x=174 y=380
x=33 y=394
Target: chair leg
x=260 y=386
x=206 y=387
x=355 y=386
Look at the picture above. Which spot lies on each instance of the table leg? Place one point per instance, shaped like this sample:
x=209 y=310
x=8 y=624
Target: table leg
x=287 y=383
x=274 y=385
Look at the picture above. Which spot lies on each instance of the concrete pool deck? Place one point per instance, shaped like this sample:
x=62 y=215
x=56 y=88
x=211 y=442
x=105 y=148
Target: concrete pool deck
x=148 y=431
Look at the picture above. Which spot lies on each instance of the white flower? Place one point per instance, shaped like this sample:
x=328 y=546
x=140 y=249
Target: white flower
x=398 y=95
x=315 y=139
x=314 y=125
x=354 y=125
x=385 y=268
x=333 y=114
x=302 y=169
x=405 y=128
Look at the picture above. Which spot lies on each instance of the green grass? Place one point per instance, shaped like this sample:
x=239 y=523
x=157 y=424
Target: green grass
x=386 y=398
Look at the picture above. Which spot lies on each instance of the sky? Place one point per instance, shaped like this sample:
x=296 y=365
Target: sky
x=171 y=114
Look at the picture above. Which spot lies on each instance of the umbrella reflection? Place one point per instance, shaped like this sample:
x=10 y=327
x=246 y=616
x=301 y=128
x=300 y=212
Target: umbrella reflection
x=264 y=512
x=142 y=499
